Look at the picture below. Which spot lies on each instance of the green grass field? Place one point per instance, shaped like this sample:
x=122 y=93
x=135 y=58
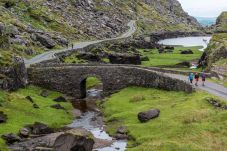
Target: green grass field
x=92 y=82
x=20 y=111
x=187 y=122
x=170 y=59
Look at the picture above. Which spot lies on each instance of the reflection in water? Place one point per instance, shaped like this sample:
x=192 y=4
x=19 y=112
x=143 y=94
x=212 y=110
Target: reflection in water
x=91 y=121
x=187 y=41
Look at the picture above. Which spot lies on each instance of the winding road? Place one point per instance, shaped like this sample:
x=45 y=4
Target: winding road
x=51 y=54
x=210 y=87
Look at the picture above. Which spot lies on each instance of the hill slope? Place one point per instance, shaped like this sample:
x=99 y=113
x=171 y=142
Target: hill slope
x=215 y=56
x=33 y=26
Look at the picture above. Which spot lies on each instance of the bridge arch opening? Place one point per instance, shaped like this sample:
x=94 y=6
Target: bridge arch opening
x=91 y=86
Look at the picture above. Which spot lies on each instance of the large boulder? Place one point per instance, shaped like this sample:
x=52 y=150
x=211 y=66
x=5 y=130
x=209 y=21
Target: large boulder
x=89 y=57
x=11 y=138
x=186 y=52
x=73 y=142
x=57 y=106
x=3 y=117
x=40 y=128
x=60 y=99
x=45 y=40
x=148 y=115
x=124 y=59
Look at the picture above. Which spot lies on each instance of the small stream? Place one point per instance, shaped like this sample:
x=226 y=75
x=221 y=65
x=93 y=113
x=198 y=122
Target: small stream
x=92 y=121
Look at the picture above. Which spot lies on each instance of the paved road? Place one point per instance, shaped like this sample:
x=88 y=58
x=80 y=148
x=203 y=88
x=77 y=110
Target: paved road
x=210 y=87
x=51 y=54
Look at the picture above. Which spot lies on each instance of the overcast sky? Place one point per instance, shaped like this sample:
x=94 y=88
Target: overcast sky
x=204 y=8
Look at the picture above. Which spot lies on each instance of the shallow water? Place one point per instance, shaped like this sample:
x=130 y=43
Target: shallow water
x=91 y=121
x=187 y=41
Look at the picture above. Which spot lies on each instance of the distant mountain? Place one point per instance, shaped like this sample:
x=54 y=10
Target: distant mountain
x=206 y=21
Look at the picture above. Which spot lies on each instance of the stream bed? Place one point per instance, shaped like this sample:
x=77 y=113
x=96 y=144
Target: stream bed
x=92 y=121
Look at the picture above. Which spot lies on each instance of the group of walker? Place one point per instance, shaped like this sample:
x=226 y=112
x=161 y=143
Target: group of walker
x=197 y=76
x=72 y=45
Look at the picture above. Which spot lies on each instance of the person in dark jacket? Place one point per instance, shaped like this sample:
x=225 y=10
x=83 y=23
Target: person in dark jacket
x=196 y=79
x=203 y=76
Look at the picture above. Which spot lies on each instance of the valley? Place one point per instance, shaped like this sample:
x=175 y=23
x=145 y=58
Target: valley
x=108 y=75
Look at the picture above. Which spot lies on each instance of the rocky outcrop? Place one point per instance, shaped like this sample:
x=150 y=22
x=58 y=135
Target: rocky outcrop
x=13 y=77
x=45 y=40
x=221 y=23
x=148 y=115
x=89 y=57
x=214 y=58
x=40 y=128
x=124 y=59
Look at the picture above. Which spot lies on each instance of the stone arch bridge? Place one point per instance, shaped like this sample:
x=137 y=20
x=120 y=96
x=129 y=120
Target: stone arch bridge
x=71 y=79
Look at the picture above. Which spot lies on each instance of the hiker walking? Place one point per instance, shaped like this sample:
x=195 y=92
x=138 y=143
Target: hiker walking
x=191 y=77
x=72 y=46
x=196 y=79
x=203 y=76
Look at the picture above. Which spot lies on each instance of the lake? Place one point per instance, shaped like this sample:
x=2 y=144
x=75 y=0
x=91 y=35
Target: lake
x=187 y=41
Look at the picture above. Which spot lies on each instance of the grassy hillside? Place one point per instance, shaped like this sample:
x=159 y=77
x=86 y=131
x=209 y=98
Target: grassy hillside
x=222 y=22
x=20 y=111
x=65 y=21
x=187 y=122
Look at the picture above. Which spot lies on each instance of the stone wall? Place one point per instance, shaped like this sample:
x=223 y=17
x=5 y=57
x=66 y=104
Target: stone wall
x=13 y=77
x=71 y=79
